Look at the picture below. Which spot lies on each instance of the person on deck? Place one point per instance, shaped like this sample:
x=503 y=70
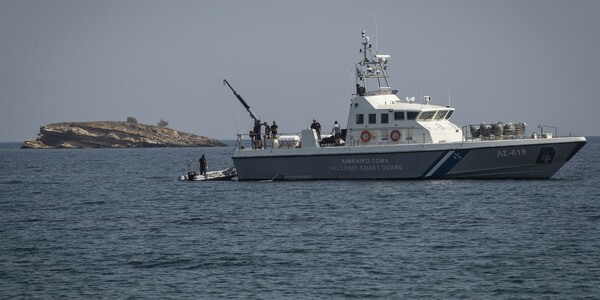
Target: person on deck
x=336 y=132
x=202 y=162
x=274 y=130
x=257 y=135
x=267 y=131
x=317 y=127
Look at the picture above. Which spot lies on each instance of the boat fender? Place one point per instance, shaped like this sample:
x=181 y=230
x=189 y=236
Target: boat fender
x=395 y=135
x=365 y=136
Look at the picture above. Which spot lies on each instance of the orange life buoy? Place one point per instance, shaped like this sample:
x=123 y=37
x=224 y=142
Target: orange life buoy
x=395 y=135
x=365 y=136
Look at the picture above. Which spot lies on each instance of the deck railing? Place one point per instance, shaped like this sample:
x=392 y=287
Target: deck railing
x=541 y=127
x=247 y=141
x=379 y=136
x=519 y=132
x=383 y=136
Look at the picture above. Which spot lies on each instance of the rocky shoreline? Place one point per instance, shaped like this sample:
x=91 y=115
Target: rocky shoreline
x=114 y=134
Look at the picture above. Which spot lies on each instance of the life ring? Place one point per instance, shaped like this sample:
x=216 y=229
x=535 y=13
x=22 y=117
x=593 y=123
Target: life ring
x=365 y=136
x=395 y=135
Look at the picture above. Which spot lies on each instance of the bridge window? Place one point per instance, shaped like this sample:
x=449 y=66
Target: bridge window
x=441 y=114
x=372 y=118
x=411 y=115
x=360 y=119
x=449 y=114
x=426 y=115
x=399 y=116
x=384 y=118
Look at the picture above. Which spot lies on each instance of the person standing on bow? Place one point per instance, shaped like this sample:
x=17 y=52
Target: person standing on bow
x=202 y=162
x=336 y=132
x=317 y=127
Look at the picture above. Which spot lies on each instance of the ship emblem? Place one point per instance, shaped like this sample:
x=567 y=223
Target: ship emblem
x=546 y=155
x=456 y=156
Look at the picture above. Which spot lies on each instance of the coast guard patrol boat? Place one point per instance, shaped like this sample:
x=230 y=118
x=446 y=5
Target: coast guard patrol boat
x=392 y=138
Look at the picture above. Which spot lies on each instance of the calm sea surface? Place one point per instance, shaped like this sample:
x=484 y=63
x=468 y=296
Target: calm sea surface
x=116 y=223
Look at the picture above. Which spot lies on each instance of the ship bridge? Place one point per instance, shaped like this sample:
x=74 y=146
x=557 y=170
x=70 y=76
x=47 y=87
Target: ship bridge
x=386 y=118
x=378 y=116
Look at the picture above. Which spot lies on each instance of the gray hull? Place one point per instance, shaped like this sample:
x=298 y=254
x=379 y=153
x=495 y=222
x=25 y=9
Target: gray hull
x=504 y=159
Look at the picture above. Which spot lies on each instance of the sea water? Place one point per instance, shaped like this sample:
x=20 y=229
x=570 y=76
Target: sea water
x=116 y=223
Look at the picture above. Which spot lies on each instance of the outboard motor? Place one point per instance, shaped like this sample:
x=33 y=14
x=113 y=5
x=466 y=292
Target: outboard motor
x=191 y=175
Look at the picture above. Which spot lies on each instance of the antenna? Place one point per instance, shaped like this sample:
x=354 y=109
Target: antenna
x=236 y=126
x=376 y=33
x=366 y=47
x=449 y=97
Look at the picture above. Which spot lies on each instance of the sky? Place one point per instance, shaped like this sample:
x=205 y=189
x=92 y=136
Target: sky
x=533 y=61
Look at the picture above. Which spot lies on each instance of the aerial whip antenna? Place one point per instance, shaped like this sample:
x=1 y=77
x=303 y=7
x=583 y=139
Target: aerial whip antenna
x=376 y=33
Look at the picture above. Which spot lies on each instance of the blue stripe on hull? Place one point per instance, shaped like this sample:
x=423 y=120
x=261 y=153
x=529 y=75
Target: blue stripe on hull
x=434 y=164
x=450 y=162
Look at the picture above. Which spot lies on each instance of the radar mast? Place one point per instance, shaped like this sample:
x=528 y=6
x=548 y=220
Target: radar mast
x=371 y=68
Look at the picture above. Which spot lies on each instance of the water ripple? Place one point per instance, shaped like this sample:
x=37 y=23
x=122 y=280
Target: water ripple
x=130 y=230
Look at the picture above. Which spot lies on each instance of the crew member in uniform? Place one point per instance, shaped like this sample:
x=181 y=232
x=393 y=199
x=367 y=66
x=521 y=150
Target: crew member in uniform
x=257 y=135
x=274 y=130
x=317 y=127
x=267 y=131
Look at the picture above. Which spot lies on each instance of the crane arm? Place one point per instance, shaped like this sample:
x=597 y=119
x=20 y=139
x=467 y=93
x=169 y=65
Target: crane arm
x=241 y=100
